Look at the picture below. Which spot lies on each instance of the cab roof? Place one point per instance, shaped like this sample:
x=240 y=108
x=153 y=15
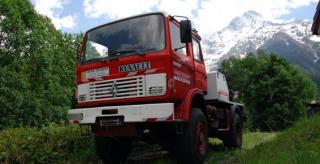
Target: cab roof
x=122 y=19
x=194 y=32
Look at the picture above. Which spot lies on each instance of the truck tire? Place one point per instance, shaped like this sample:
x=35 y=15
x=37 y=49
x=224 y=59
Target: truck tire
x=233 y=138
x=193 y=143
x=112 y=151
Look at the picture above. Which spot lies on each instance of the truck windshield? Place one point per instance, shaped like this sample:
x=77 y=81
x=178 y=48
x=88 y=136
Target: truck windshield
x=137 y=35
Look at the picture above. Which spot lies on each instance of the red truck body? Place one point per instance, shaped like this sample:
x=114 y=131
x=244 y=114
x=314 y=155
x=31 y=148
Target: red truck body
x=163 y=61
x=147 y=82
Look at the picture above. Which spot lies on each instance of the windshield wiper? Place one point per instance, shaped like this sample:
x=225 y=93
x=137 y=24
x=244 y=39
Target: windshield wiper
x=103 y=59
x=116 y=53
x=176 y=49
x=142 y=52
x=94 y=60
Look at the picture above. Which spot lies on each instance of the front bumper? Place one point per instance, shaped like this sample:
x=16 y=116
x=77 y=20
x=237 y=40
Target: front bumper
x=127 y=113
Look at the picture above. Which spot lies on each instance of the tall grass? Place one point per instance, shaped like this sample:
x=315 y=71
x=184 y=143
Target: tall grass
x=65 y=144
x=50 y=144
x=299 y=144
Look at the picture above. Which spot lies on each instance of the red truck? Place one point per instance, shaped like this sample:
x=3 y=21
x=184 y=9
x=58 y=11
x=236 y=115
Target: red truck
x=144 y=78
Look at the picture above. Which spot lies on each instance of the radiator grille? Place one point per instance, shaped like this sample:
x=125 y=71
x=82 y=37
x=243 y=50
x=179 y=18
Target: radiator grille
x=118 y=88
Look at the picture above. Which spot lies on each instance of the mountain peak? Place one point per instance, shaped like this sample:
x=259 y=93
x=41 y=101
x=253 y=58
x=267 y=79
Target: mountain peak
x=251 y=31
x=248 y=19
x=252 y=14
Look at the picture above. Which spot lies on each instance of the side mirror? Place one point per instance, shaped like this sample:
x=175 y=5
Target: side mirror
x=185 y=31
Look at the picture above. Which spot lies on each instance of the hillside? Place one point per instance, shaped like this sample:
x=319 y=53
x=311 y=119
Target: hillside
x=299 y=144
x=295 y=52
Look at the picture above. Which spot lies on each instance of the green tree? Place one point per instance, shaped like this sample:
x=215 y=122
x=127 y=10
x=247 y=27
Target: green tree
x=37 y=64
x=273 y=90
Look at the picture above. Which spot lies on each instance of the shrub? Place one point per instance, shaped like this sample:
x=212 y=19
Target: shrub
x=50 y=144
x=273 y=90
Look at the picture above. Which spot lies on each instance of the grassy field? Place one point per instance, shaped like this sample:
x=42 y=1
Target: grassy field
x=65 y=144
x=218 y=154
x=299 y=144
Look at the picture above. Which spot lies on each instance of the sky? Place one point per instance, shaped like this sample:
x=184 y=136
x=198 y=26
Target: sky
x=207 y=15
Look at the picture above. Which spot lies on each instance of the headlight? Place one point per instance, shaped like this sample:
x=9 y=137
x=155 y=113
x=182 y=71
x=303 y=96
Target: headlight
x=156 y=84
x=83 y=91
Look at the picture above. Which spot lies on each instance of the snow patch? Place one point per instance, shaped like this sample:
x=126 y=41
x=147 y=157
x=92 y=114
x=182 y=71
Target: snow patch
x=315 y=38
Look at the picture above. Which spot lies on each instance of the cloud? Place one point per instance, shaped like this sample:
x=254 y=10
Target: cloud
x=117 y=9
x=124 y=8
x=207 y=15
x=179 y=7
x=213 y=15
x=64 y=22
x=51 y=9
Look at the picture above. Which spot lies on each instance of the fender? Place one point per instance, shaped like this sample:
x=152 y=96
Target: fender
x=187 y=102
x=235 y=109
x=232 y=110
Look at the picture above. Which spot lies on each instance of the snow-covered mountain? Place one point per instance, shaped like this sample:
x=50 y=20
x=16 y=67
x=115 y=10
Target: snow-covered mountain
x=251 y=31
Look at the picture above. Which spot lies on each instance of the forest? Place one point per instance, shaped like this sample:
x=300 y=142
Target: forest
x=37 y=67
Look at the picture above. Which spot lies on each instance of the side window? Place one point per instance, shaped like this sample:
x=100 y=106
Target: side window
x=175 y=39
x=196 y=50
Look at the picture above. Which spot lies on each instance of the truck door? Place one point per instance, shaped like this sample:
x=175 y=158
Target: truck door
x=200 y=75
x=182 y=63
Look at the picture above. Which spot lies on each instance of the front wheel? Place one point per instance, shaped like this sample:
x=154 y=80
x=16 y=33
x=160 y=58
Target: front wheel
x=233 y=138
x=193 y=143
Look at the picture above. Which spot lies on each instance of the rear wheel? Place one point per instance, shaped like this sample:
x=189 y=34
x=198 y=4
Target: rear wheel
x=112 y=151
x=233 y=138
x=193 y=143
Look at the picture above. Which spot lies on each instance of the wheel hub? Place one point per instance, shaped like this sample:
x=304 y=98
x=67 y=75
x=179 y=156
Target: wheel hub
x=201 y=138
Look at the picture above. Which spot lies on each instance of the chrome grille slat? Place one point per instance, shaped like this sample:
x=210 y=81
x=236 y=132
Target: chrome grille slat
x=119 y=87
x=120 y=83
x=112 y=98
x=118 y=95
x=119 y=91
x=127 y=87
